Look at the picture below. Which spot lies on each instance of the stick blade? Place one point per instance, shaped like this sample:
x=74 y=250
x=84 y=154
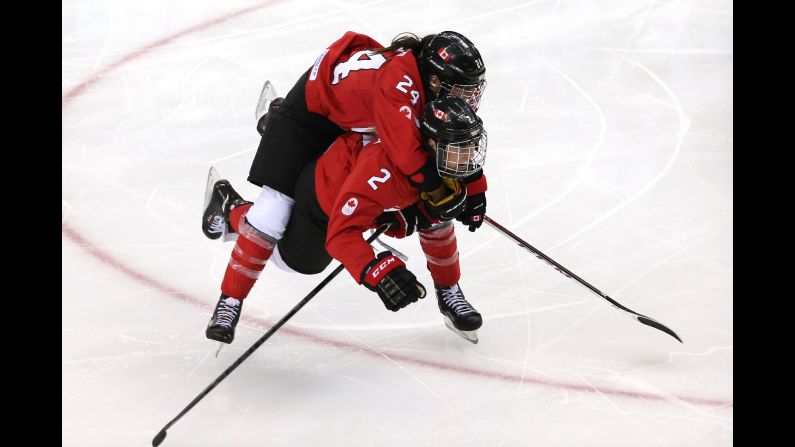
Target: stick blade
x=657 y=325
x=159 y=438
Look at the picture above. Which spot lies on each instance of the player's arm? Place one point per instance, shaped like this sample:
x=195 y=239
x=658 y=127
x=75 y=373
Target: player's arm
x=386 y=275
x=397 y=105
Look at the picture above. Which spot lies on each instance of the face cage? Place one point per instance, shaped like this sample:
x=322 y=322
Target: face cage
x=471 y=93
x=462 y=158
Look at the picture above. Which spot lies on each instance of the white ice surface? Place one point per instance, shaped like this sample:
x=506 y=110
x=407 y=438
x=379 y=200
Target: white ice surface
x=610 y=149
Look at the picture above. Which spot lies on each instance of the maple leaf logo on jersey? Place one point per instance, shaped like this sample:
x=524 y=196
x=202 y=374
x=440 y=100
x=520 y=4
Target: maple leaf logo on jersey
x=350 y=206
x=444 y=54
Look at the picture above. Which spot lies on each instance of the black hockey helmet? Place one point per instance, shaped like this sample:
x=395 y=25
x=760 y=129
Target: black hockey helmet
x=459 y=136
x=455 y=60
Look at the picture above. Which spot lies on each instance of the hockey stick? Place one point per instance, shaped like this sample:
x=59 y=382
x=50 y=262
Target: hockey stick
x=641 y=318
x=162 y=434
x=394 y=250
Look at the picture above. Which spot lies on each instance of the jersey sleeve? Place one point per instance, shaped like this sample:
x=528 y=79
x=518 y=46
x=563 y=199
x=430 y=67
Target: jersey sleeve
x=344 y=241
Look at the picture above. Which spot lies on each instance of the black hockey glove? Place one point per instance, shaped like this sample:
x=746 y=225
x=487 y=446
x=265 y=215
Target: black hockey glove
x=405 y=222
x=474 y=212
x=451 y=205
x=388 y=276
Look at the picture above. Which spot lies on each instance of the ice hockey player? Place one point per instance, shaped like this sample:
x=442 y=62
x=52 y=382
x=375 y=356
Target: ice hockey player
x=345 y=192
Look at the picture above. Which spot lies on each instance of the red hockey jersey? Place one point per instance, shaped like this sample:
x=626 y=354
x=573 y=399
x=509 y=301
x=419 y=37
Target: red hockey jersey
x=355 y=183
x=365 y=92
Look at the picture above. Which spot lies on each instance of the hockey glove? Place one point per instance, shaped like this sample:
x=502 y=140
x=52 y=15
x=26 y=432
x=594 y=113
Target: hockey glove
x=451 y=205
x=474 y=212
x=405 y=222
x=388 y=276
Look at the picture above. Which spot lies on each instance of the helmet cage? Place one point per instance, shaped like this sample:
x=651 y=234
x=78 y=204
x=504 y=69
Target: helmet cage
x=461 y=157
x=471 y=93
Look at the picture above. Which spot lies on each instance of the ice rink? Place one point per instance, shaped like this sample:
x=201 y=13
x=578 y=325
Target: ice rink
x=610 y=149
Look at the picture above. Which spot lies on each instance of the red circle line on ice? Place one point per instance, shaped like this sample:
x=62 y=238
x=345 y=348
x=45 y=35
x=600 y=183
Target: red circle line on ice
x=81 y=241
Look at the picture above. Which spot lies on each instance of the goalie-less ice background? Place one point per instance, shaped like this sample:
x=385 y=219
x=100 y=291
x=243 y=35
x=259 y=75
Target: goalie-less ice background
x=610 y=134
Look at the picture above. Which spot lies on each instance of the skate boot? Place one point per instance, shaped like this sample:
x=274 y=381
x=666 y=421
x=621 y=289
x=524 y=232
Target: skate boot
x=262 y=123
x=219 y=201
x=458 y=314
x=225 y=316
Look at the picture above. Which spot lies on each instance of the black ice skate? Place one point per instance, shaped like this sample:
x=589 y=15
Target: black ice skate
x=219 y=199
x=262 y=123
x=458 y=314
x=224 y=320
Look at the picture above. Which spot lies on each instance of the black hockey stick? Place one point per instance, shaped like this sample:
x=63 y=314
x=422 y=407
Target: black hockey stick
x=162 y=434
x=641 y=318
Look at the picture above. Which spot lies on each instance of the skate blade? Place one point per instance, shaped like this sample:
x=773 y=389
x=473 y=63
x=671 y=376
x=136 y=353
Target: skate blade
x=212 y=177
x=470 y=336
x=218 y=351
x=266 y=96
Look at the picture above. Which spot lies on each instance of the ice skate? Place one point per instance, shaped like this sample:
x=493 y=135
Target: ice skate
x=219 y=199
x=458 y=314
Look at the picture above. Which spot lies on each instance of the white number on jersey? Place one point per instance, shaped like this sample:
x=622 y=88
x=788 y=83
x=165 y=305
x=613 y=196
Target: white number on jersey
x=415 y=95
x=372 y=62
x=375 y=179
x=402 y=85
